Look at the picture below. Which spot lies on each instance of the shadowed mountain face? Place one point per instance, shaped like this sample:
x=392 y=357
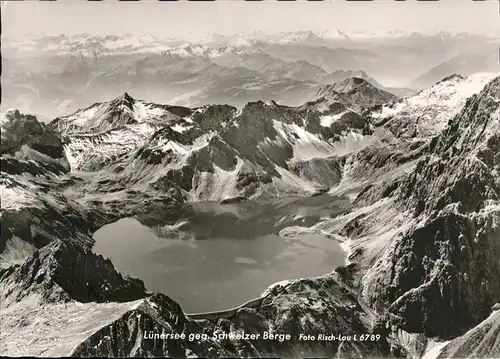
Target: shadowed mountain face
x=357 y=92
x=23 y=137
x=421 y=235
x=447 y=259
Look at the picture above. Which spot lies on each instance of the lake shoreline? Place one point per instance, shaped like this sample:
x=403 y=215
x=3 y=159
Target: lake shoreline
x=226 y=257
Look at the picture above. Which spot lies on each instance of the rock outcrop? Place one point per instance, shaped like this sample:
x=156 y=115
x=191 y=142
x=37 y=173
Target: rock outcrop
x=25 y=138
x=479 y=342
x=156 y=326
x=64 y=271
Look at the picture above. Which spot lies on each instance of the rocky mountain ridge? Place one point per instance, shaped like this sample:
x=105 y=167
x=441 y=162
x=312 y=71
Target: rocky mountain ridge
x=428 y=112
x=439 y=222
x=209 y=152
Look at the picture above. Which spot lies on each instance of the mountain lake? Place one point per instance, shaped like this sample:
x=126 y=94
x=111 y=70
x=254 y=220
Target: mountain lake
x=218 y=256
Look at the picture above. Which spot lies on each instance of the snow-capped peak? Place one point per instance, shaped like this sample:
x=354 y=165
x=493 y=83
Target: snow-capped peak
x=124 y=102
x=451 y=78
x=121 y=111
x=432 y=108
x=334 y=34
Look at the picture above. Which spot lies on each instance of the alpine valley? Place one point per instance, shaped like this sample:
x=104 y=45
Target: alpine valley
x=419 y=177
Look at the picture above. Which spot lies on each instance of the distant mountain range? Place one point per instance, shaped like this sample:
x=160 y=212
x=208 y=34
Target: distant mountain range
x=51 y=76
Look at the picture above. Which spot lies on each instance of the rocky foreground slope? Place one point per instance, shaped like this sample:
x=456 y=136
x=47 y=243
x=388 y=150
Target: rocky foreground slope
x=423 y=236
x=429 y=238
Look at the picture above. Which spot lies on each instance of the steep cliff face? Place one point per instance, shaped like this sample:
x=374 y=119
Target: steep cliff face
x=444 y=260
x=64 y=271
x=128 y=335
x=34 y=211
x=25 y=138
x=428 y=112
x=479 y=342
x=324 y=171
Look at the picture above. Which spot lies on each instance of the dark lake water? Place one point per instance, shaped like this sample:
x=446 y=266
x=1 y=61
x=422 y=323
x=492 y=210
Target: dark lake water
x=215 y=256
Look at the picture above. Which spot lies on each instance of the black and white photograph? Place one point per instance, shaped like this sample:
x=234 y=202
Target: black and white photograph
x=236 y=179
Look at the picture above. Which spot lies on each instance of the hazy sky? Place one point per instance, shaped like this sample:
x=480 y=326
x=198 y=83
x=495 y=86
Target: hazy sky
x=172 y=19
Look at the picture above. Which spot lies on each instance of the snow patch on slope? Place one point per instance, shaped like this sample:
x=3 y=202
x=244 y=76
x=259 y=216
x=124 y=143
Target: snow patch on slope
x=291 y=182
x=142 y=111
x=15 y=198
x=108 y=146
x=327 y=120
x=433 y=107
x=305 y=145
x=15 y=252
x=216 y=186
x=183 y=151
x=434 y=349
